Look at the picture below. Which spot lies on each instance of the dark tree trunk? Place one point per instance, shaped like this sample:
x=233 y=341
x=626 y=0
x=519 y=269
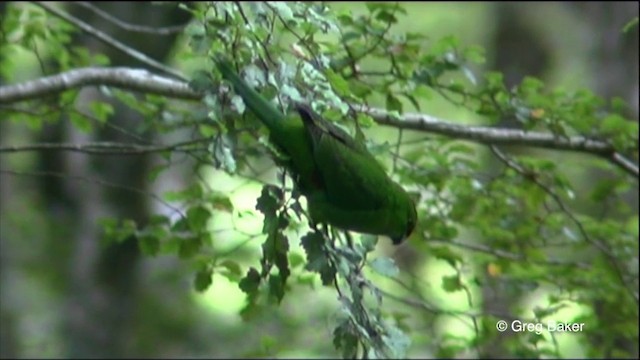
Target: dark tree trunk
x=103 y=280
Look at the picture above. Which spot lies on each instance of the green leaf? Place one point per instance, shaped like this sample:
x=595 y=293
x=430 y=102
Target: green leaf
x=116 y=230
x=283 y=10
x=344 y=339
x=445 y=45
x=156 y=170
x=101 y=110
x=291 y=92
x=181 y=225
x=238 y=104
x=495 y=80
x=530 y=85
x=228 y=161
x=385 y=266
x=295 y=259
x=369 y=242
x=386 y=17
x=475 y=54
x=149 y=245
x=346 y=19
x=276 y=287
x=446 y=254
x=393 y=103
x=613 y=124
x=195 y=29
x=317 y=260
x=158 y=219
x=541 y=313
x=619 y=105
x=374 y=7
x=275 y=250
x=359 y=89
x=207 y=130
x=269 y=200
x=451 y=283
x=194 y=192
x=365 y=120
x=603 y=189
x=412 y=99
x=231 y=270
x=268 y=344
x=250 y=283
x=630 y=25
x=198 y=217
x=220 y=201
x=81 y=122
x=201 y=80
x=189 y=246
x=396 y=341
x=203 y=279
x=268 y=203
x=339 y=85
x=252 y=310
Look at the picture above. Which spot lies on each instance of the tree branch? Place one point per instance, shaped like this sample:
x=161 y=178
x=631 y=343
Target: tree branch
x=168 y=30
x=105 y=148
x=501 y=136
x=509 y=255
x=120 y=77
x=486 y=134
x=145 y=81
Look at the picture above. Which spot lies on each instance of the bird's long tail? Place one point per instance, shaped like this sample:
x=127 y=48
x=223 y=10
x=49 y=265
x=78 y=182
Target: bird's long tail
x=261 y=107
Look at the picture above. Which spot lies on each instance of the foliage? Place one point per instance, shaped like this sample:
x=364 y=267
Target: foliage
x=527 y=218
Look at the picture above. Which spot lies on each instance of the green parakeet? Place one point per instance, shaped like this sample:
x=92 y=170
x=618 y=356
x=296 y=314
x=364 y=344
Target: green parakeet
x=344 y=184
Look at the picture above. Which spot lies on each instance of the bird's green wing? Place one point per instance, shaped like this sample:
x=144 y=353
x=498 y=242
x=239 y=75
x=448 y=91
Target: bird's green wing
x=287 y=133
x=353 y=178
x=358 y=194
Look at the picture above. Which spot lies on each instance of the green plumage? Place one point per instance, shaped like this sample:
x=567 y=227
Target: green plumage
x=344 y=184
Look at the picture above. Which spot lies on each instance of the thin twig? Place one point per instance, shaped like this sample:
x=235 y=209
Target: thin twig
x=106 y=148
x=92 y=180
x=111 y=125
x=509 y=255
x=167 y=30
x=107 y=39
x=419 y=304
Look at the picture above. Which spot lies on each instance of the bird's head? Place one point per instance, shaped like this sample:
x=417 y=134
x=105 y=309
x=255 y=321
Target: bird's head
x=411 y=220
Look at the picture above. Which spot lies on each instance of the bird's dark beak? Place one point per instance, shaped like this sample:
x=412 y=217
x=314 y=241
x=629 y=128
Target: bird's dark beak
x=398 y=240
